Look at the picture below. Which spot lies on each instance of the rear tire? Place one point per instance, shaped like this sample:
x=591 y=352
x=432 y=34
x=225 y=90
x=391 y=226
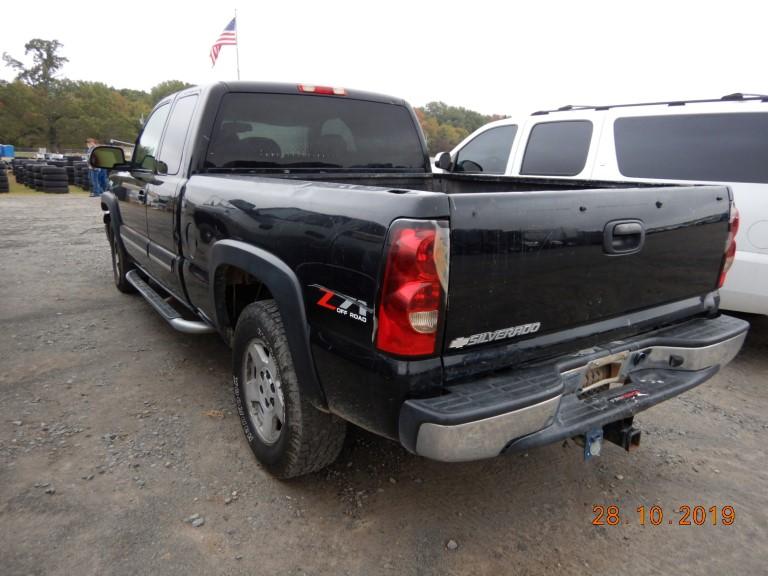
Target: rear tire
x=120 y=264
x=288 y=435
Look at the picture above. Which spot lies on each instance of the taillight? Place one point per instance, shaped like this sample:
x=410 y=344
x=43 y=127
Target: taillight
x=414 y=289
x=730 y=245
x=327 y=90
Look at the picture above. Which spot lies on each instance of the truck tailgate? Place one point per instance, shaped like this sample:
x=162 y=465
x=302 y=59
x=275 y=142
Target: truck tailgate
x=530 y=263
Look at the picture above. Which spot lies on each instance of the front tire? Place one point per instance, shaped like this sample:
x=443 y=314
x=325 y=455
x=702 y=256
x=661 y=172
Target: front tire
x=288 y=435
x=120 y=264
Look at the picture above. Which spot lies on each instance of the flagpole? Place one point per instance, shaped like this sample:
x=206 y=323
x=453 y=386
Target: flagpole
x=237 y=47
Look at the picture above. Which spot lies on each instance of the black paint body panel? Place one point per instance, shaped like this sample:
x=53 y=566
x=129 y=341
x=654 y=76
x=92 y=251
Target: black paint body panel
x=520 y=258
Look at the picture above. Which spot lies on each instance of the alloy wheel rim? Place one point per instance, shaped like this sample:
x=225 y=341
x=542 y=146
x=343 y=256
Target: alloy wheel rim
x=265 y=404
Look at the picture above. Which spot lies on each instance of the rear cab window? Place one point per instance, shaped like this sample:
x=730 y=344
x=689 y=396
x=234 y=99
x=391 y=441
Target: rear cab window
x=487 y=152
x=557 y=148
x=295 y=133
x=700 y=147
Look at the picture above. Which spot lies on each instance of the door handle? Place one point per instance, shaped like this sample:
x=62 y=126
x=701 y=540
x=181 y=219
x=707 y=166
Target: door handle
x=627 y=229
x=622 y=237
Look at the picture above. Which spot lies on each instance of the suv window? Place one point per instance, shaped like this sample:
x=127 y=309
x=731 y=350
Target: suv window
x=309 y=132
x=487 y=152
x=557 y=148
x=146 y=148
x=715 y=147
x=176 y=134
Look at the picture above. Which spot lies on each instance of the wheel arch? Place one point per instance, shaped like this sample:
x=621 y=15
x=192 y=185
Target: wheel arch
x=283 y=286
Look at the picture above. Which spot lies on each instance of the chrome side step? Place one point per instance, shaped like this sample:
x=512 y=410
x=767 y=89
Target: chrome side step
x=168 y=312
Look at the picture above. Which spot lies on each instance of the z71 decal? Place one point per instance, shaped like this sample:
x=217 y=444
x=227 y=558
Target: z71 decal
x=343 y=305
x=502 y=334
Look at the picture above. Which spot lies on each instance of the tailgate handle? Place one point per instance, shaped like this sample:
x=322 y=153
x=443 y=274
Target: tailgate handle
x=623 y=237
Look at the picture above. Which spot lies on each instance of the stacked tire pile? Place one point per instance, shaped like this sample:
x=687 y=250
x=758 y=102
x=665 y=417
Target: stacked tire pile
x=25 y=174
x=51 y=176
x=70 y=168
x=17 y=165
x=4 y=186
x=80 y=175
x=35 y=177
x=18 y=171
x=53 y=179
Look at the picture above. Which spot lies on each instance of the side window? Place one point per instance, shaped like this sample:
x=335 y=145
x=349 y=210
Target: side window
x=146 y=148
x=557 y=148
x=176 y=134
x=487 y=152
x=699 y=147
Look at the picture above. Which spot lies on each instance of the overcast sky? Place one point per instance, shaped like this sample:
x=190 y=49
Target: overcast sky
x=490 y=56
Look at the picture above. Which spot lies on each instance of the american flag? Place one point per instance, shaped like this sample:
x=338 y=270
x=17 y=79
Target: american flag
x=227 y=38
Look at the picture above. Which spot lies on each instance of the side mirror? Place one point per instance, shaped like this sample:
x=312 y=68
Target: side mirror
x=443 y=161
x=107 y=157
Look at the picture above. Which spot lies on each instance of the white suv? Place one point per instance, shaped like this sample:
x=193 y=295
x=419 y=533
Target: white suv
x=722 y=141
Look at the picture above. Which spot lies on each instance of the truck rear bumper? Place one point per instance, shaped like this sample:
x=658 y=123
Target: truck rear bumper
x=547 y=402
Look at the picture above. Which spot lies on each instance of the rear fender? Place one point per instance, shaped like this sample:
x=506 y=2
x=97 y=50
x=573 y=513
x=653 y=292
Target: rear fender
x=284 y=286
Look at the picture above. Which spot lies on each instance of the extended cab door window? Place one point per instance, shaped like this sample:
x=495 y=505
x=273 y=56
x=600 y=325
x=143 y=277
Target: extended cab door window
x=557 y=148
x=176 y=134
x=488 y=152
x=145 y=155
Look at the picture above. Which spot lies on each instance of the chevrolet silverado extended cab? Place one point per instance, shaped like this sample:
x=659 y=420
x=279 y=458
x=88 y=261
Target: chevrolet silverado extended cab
x=464 y=316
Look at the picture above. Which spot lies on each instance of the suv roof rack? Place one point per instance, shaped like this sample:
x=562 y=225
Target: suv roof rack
x=735 y=97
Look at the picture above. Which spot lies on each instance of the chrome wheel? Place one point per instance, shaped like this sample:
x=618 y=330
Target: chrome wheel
x=263 y=392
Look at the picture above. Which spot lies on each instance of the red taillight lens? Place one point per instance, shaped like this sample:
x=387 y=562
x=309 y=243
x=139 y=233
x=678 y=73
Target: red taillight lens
x=414 y=287
x=730 y=245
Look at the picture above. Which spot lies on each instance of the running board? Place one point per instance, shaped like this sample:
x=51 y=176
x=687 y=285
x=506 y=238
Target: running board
x=168 y=312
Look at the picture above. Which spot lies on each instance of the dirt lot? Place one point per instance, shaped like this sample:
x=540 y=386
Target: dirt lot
x=114 y=430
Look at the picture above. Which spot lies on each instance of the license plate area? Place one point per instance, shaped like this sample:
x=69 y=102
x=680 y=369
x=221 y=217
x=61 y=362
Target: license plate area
x=603 y=374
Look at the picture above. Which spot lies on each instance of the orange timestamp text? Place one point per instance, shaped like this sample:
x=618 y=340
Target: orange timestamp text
x=685 y=515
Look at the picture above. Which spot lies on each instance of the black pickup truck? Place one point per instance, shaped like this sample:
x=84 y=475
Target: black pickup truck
x=464 y=316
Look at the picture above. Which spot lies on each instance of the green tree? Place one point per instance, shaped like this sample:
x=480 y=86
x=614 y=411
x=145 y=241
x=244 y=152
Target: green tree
x=45 y=62
x=47 y=95
x=22 y=121
x=164 y=89
x=445 y=126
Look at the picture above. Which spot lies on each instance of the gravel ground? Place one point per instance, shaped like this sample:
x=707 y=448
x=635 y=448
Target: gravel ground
x=120 y=454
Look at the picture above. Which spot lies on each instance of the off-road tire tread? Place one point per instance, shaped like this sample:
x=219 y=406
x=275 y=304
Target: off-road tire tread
x=315 y=438
x=122 y=284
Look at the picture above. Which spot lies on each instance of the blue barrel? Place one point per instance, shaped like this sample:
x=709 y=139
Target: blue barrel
x=9 y=151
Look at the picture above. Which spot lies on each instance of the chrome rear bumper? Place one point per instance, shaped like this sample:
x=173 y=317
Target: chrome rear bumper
x=462 y=425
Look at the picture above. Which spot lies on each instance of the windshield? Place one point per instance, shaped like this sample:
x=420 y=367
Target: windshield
x=265 y=132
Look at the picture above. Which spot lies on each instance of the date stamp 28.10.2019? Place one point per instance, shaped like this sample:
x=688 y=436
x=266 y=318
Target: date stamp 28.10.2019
x=683 y=515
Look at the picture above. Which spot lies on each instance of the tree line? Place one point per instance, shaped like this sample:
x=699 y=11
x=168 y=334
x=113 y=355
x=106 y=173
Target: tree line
x=445 y=126
x=39 y=109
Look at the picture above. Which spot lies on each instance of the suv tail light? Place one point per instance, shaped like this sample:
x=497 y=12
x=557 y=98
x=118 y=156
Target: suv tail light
x=414 y=289
x=730 y=245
